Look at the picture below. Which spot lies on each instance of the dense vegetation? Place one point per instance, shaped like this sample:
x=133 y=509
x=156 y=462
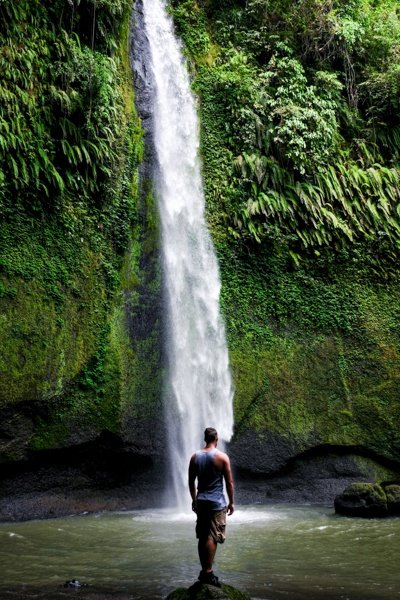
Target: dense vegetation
x=69 y=144
x=310 y=96
x=300 y=136
x=300 y=115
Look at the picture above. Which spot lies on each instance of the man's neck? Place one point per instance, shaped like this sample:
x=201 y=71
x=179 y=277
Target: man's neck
x=210 y=446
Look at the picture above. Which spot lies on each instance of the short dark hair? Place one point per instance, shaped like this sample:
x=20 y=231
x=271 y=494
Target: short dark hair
x=210 y=435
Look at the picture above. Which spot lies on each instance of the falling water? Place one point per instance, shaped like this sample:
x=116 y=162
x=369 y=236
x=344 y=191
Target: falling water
x=199 y=390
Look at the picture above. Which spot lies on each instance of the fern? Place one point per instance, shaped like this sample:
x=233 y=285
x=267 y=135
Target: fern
x=345 y=202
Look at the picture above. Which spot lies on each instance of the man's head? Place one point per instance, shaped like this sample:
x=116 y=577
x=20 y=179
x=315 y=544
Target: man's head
x=210 y=435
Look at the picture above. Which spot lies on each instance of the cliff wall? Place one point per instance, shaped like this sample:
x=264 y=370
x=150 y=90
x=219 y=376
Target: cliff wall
x=301 y=154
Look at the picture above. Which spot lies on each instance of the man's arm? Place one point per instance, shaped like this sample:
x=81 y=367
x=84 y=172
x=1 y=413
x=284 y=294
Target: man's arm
x=227 y=473
x=192 y=480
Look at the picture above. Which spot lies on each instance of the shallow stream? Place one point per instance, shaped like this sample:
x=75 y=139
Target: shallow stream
x=271 y=552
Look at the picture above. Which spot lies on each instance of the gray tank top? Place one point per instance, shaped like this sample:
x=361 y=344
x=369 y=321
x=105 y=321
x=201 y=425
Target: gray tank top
x=210 y=485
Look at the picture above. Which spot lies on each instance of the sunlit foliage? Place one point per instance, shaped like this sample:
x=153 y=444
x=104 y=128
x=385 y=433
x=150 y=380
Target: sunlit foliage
x=310 y=91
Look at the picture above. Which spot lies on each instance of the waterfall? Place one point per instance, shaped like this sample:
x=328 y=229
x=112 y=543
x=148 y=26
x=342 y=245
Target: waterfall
x=198 y=391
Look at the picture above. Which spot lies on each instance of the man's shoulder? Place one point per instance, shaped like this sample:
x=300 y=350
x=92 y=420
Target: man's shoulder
x=193 y=457
x=222 y=456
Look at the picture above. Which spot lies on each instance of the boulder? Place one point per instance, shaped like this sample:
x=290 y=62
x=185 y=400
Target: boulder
x=202 y=591
x=366 y=500
x=393 y=498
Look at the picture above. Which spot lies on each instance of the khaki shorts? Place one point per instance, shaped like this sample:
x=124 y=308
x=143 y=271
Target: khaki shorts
x=210 y=523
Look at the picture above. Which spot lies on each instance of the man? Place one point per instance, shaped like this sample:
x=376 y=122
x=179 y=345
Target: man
x=210 y=466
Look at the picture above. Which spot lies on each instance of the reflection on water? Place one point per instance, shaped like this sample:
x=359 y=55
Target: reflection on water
x=272 y=552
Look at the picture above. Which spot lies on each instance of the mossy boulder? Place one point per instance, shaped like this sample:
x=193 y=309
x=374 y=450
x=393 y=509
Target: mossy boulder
x=201 y=591
x=393 y=498
x=366 y=500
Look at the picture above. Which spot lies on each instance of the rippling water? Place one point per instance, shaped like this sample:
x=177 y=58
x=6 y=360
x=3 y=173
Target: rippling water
x=271 y=552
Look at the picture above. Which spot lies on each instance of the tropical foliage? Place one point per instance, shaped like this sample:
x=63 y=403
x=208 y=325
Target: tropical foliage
x=63 y=128
x=70 y=144
x=310 y=92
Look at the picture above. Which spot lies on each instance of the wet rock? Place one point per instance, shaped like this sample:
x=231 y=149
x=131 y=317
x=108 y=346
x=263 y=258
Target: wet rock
x=366 y=500
x=75 y=584
x=393 y=498
x=264 y=453
x=202 y=591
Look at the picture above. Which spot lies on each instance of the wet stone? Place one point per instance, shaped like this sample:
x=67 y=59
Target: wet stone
x=202 y=591
x=365 y=500
x=393 y=498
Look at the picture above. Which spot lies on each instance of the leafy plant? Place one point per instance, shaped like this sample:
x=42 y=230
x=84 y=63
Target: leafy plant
x=308 y=94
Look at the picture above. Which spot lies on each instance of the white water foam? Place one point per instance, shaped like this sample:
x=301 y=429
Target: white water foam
x=244 y=515
x=199 y=390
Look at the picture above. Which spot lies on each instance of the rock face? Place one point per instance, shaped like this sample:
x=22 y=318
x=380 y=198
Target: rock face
x=201 y=591
x=315 y=476
x=314 y=349
x=363 y=500
x=393 y=498
x=101 y=475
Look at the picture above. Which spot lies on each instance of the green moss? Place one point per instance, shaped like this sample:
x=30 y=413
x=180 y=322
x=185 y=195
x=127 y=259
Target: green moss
x=392 y=494
x=372 y=493
x=141 y=363
x=179 y=594
x=314 y=351
x=313 y=334
x=207 y=592
x=191 y=23
x=375 y=471
x=49 y=435
x=46 y=342
x=60 y=262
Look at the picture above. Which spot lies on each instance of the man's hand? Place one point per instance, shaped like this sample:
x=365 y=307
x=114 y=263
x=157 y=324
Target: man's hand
x=194 y=506
x=226 y=470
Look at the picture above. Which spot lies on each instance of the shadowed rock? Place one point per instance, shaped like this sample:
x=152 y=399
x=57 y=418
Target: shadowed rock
x=366 y=500
x=393 y=498
x=202 y=591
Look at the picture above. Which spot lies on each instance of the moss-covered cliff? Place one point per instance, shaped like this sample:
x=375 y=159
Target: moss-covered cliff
x=300 y=139
x=73 y=228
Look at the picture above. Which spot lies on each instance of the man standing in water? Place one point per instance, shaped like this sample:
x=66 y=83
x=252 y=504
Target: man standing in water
x=210 y=466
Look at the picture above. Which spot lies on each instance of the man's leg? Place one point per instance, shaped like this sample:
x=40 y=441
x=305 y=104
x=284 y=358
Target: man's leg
x=207 y=548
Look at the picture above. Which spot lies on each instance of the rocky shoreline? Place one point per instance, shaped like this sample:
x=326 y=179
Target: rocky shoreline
x=108 y=475
x=147 y=492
